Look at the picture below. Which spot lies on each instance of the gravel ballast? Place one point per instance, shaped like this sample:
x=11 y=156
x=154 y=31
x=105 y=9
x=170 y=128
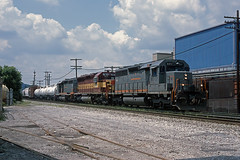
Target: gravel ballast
x=170 y=138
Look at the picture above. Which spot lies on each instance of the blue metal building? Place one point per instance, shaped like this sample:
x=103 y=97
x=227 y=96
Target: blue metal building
x=210 y=48
x=211 y=55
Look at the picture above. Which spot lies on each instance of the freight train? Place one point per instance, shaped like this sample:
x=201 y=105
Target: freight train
x=164 y=83
x=5 y=92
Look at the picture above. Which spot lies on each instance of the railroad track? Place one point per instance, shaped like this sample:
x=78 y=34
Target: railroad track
x=74 y=146
x=225 y=119
x=216 y=118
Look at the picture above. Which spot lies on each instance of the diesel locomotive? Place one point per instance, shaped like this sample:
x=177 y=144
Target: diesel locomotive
x=164 y=83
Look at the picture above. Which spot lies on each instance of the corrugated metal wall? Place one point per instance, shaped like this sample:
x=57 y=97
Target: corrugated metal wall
x=219 y=52
x=223 y=88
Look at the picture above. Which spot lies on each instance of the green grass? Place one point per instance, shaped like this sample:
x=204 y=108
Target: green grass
x=23 y=103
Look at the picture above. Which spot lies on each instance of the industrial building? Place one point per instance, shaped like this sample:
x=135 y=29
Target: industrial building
x=211 y=55
x=158 y=56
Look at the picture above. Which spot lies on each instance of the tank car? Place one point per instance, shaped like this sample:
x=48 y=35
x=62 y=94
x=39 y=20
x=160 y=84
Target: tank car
x=48 y=92
x=29 y=92
x=5 y=92
x=25 y=93
x=162 y=83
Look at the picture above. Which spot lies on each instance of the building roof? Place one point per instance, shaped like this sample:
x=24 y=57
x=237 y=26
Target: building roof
x=204 y=30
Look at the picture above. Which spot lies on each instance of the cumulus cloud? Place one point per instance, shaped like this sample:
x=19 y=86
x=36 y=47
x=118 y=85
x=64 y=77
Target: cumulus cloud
x=48 y=29
x=83 y=39
x=31 y=27
x=36 y=37
x=4 y=45
x=146 y=26
x=157 y=23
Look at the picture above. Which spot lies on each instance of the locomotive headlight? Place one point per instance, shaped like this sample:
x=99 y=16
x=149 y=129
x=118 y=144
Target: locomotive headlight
x=185 y=76
x=183 y=85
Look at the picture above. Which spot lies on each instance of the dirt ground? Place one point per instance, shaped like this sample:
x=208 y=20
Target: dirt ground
x=170 y=138
x=11 y=151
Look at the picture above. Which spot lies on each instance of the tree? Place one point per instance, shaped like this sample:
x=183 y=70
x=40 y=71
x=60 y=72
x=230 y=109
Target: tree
x=12 y=79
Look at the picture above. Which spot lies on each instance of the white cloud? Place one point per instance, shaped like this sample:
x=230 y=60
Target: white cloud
x=4 y=45
x=31 y=27
x=82 y=39
x=158 y=22
x=156 y=14
x=48 y=29
x=50 y=2
x=146 y=26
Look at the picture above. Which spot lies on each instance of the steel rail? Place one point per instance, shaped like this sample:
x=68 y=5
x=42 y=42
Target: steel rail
x=200 y=117
x=106 y=140
x=79 y=149
x=195 y=115
x=72 y=146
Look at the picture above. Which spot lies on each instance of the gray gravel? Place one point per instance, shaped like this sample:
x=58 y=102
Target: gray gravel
x=166 y=137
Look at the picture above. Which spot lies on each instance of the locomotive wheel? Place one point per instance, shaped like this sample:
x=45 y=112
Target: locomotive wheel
x=161 y=105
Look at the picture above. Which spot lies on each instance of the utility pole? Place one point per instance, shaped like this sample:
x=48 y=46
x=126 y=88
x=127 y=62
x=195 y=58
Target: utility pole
x=1 y=82
x=76 y=67
x=112 y=68
x=47 y=78
x=40 y=82
x=34 y=78
x=236 y=28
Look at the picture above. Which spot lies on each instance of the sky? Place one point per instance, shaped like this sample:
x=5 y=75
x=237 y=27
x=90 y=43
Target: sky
x=43 y=35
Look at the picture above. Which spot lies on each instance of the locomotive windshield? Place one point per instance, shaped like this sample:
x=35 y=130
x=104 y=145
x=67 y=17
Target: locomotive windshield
x=176 y=66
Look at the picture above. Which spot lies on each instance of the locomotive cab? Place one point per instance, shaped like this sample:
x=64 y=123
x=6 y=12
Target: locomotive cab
x=179 y=80
x=184 y=95
x=162 y=74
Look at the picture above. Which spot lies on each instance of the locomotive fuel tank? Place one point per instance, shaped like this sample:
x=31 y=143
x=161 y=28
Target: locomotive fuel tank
x=86 y=99
x=139 y=101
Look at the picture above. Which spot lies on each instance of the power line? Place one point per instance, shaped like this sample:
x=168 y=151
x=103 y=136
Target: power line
x=76 y=67
x=92 y=69
x=200 y=45
x=63 y=75
x=40 y=82
x=204 y=43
